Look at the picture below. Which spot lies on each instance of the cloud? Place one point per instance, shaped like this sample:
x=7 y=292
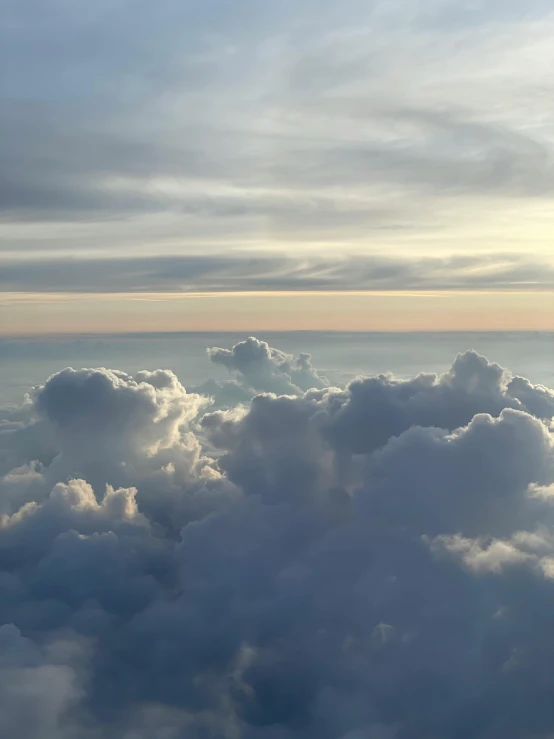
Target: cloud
x=368 y=561
x=37 y=688
x=361 y=419
x=256 y=272
x=194 y=122
x=267 y=369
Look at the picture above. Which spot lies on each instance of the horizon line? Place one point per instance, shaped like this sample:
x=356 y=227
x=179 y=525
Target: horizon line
x=247 y=333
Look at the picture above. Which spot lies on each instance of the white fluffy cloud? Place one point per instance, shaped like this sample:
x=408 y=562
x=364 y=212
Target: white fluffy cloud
x=266 y=369
x=367 y=562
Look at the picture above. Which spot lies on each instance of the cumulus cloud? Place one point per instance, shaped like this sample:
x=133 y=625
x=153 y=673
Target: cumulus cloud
x=38 y=687
x=368 y=562
x=109 y=427
x=266 y=369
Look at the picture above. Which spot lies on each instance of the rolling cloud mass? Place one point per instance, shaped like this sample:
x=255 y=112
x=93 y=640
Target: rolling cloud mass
x=271 y=557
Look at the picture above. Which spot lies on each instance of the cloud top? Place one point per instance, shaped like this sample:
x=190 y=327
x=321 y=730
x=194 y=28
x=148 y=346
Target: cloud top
x=373 y=561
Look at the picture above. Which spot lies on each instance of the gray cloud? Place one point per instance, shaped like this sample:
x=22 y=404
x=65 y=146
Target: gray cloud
x=257 y=368
x=266 y=369
x=373 y=561
x=362 y=419
x=38 y=686
x=368 y=561
x=219 y=273
x=52 y=170
x=302 y=120
x=453 y=155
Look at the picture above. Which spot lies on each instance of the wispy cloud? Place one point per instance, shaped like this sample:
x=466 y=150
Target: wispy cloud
x=217 y=273
x=290 y=125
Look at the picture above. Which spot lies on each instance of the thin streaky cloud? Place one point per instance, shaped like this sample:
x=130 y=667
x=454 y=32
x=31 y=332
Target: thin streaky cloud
x=232 y=274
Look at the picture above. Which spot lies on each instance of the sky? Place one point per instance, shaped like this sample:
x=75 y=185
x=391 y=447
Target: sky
x=276 y=533
x=375 y=165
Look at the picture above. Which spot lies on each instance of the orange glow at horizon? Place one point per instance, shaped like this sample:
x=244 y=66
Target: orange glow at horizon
x=33 y=314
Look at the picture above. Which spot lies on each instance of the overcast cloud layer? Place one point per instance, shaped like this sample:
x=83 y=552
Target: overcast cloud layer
x=368 y=562
x=137 y=129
